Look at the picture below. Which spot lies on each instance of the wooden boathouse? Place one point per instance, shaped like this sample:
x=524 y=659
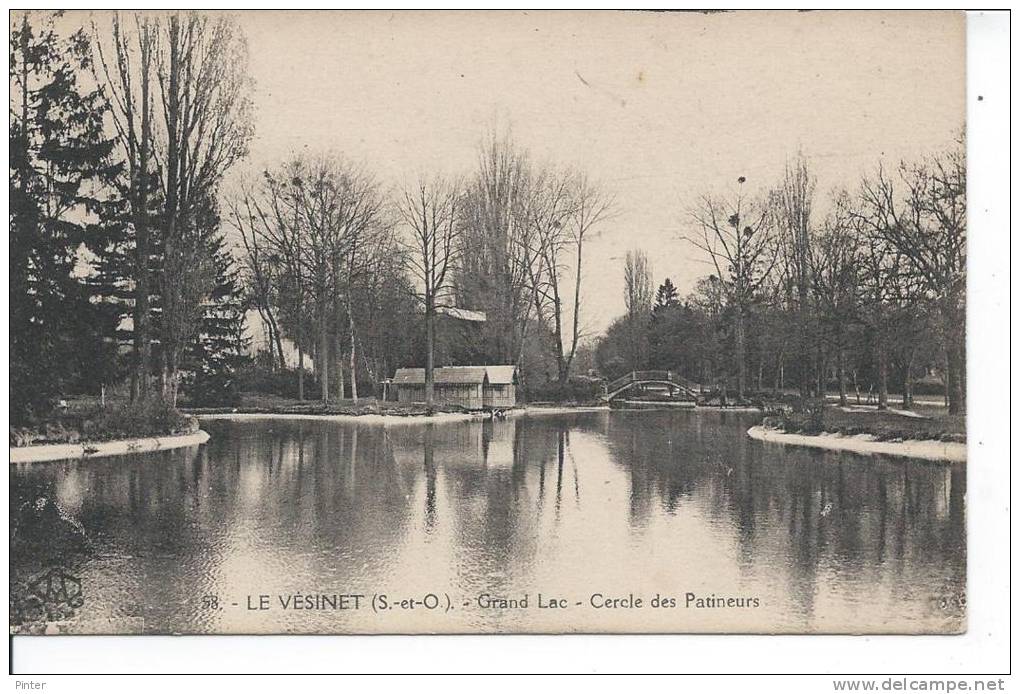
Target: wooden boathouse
x=470 y=387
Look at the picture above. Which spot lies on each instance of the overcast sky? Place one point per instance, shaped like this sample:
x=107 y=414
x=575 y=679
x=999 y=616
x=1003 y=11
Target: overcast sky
x=660 y=107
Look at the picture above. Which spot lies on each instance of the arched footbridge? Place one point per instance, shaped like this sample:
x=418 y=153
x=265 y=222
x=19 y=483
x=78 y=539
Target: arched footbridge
x=670 y=379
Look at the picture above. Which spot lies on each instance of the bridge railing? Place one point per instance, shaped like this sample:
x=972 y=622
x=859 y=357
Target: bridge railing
x=620 y=382
x=647 y=375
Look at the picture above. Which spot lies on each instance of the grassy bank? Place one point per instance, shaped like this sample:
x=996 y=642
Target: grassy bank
x=929 y=425
x=256 y=403
x=87 y=422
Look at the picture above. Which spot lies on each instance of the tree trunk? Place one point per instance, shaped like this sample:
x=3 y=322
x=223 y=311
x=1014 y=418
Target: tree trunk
x=278 y=339
x=802 y=341
x=168 y=377
x=142 y=338
x=354 y=357
x=956 y=363
x=338 y=358
x=883 y=371
x=300 y=340
x=322 y=358
x=429 y=346
x=270 y=341
x=956 y=355
x=300 y=371
x=820 y=373
x=908 y=381
x=842 y=376
x=576 y=328
x=740 y=353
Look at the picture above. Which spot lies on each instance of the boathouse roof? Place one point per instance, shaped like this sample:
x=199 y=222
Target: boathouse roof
x=501 y=375
x=442 y=375
x=493 y=375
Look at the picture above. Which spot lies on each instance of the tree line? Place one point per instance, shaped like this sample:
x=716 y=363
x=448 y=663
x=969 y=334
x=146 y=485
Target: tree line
x=875 y=286
x=359 y=279
x=134 y=266
x=121 y=133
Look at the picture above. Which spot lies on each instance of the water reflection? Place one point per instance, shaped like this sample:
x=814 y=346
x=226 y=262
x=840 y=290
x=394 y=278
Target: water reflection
x=642 y=502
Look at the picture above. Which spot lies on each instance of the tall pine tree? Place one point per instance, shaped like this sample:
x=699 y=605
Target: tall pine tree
x=220 y=348
x=61 y=193
x=666 y=296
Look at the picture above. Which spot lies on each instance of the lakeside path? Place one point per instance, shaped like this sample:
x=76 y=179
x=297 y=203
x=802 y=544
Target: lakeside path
x=946 y=451
x=99 y=449
x=398 y=419
x=438 y=417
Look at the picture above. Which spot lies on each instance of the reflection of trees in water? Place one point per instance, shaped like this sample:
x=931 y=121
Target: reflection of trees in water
x=305 y=495
x=430 y=479
x=138 y=514
x=503 y=480
x=289 y=497
x=664 y=460
x=481 y=468
x=808 y=510
x=151 y=495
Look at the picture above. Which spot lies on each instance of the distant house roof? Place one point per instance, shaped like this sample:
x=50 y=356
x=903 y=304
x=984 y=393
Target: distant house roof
x=462 y=313
x=495 y=375
x=501 y=375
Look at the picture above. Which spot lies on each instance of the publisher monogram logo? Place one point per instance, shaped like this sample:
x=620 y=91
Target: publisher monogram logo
x=56 y=586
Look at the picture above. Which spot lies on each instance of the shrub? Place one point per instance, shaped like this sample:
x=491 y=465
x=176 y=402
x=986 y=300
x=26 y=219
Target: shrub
x=574 y=390
x=214 y=390
x=884 y=426
x=121 y=420
x=282 y=382
x=152 y=417
x=815 y=410
x=929 y=387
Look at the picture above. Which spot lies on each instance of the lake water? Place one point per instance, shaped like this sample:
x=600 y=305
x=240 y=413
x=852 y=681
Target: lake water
x=585 y=509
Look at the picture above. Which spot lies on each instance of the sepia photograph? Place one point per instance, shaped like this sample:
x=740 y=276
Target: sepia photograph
x=488 y=322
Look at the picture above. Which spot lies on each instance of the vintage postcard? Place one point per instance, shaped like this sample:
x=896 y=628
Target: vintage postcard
x=359 y=322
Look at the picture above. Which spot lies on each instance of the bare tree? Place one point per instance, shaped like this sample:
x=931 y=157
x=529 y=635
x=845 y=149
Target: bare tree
x=205 y=127
x=562 y=210
x=592 y=205
x=834 y=268
x=337 y=204
x=183 y=114
x=638 y=293
x=494 y=270
x=126 y=70
x=637 y=278
x=278 y=212
x=261 y=266
x=429 y=212
x=881 y=273
x=791 y=204
x=547 y=209
x=361 y=241
x=927 y=229
x=736 y=236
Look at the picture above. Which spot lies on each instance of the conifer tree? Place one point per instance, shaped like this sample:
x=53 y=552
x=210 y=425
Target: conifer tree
x=61 y=171
x=221 y=346
x=666 y=296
